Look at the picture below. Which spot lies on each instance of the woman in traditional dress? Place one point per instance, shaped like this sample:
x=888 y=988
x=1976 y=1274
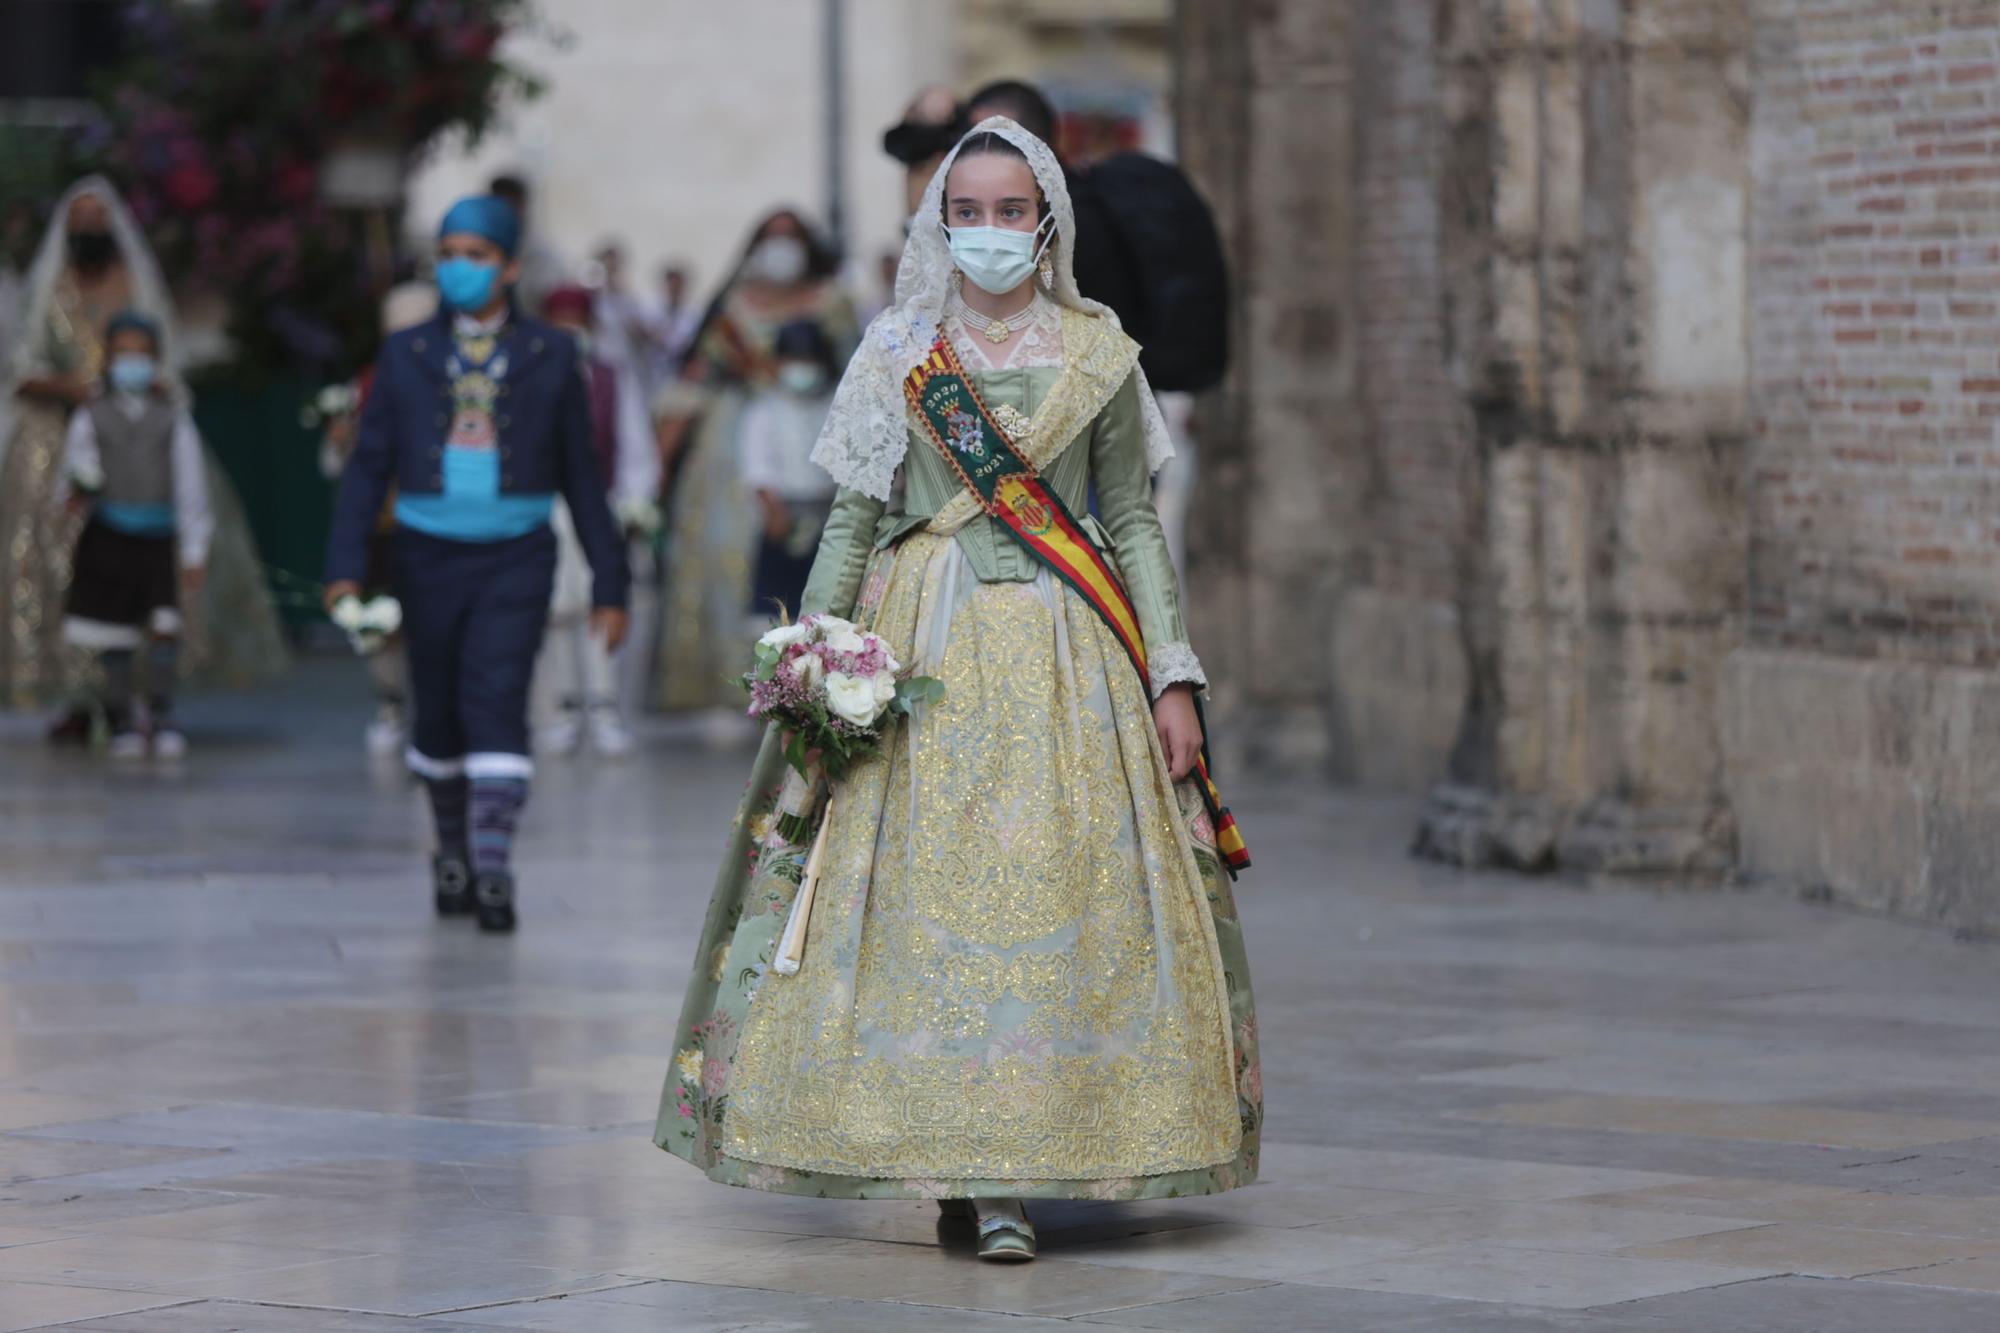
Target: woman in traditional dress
x=94 y=263
x=1023 y=976
x=786 y=274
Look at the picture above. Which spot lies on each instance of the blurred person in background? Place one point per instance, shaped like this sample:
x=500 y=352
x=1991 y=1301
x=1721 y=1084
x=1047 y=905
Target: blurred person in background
x=93 y=262
x=930 y=126
x=481 y=418
x=786 y=274
x=620 y=332
x=578 y=675
x=671 y=324
x=1147 y=246
x=404 y=307
x=17 y=251
x=132 y=462
x=542 y=269
x=885 y=274
x=793 y=494
x=1025 y=886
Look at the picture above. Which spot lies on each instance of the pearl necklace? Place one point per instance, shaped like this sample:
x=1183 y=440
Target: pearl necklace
x=995 y=328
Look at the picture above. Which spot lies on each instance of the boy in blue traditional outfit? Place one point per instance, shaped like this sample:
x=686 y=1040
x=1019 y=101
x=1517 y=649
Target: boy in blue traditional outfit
x=481 y=416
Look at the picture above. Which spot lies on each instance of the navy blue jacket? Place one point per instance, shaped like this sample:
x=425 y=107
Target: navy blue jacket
x=543 y=421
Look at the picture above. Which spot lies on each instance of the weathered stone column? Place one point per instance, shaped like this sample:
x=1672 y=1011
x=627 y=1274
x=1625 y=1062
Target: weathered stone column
x=1267 y=130
x=1604 y=588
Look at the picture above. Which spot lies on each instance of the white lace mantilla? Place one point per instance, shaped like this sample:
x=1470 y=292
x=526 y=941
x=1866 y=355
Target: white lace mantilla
x=867 y=431
x=1174 y=664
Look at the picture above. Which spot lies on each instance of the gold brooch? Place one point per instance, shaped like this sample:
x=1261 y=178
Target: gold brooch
x=1012 y=420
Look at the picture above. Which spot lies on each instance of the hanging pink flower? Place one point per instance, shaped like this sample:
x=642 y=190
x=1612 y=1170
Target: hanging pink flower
x=190 y=186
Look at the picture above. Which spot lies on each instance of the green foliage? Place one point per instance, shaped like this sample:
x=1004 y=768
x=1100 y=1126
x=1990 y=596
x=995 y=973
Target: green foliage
x=219 y=124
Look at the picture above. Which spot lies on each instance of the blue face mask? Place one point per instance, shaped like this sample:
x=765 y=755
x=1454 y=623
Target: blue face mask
x=132 y=372
x=997 y=259
x=466 y=284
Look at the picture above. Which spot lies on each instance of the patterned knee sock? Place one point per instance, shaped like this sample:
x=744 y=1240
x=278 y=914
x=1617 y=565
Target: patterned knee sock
x=448 y=811
x=117 y=700
x=496 y=809
x=163 y=668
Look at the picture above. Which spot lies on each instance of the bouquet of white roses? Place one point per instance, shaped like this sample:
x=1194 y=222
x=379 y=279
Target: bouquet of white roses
x=830 y=687
x=368 y=624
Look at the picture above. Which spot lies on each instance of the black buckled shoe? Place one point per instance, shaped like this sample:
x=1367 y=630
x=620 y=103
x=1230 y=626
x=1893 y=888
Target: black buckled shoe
x=452 y=879
x=494 y=893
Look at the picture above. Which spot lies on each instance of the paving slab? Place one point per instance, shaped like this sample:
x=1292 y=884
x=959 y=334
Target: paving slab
x=248 y=1081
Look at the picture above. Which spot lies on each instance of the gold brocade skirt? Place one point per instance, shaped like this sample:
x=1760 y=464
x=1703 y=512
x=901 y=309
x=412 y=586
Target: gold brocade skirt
x=36 y=535
x=1022 y=973
x=705 y=599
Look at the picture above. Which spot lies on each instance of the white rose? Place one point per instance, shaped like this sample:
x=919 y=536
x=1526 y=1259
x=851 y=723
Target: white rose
x=847 y=641
x=826 y=626
x=885 y=687
x=784 y=636
x=808 y=668
x=852 y=698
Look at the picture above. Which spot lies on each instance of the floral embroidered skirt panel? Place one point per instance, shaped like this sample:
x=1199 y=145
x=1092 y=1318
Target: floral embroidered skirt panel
x=1023 y=972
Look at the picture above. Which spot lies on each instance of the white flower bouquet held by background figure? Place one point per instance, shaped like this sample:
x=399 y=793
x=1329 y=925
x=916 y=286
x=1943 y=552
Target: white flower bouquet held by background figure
x=330 y=404
x=637 y=514
x=832 y=689
x=368 y=624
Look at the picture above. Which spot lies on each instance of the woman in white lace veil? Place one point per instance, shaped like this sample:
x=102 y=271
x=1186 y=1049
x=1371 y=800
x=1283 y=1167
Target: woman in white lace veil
x=56 y=365
x=1023 y=977
x=866 y=432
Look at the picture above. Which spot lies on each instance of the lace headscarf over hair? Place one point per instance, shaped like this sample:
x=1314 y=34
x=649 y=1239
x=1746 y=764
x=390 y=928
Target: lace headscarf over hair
x=867 y=429
x=149 y=297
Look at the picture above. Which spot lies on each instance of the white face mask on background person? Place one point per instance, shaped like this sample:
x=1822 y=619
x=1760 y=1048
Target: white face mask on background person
x=998 y=259
x=801 y=377
x=133 y=372
x=780 y=259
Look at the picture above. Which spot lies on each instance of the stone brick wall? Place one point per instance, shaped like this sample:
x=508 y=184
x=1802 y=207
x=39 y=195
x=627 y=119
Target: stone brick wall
x=1618 y=400
x=1877 y=359
x=1862 y=718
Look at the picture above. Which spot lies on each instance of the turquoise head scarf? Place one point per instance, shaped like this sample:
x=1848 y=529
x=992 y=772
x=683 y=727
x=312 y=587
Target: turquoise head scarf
x=484 y=215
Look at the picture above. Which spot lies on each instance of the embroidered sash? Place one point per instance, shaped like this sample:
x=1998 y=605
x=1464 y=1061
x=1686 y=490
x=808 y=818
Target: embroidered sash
x=1001 y=480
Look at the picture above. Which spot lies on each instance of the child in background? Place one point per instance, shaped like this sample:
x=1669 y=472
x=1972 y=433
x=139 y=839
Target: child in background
x=134 y=457
x=580 y=674
x=793 y=494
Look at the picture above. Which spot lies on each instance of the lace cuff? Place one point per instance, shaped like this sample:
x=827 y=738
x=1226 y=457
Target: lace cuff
x=1174 y=664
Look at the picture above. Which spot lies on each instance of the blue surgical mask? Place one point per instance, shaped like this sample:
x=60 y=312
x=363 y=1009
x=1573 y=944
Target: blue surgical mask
x=466 y=284
x=996 y=259
x=132 y=372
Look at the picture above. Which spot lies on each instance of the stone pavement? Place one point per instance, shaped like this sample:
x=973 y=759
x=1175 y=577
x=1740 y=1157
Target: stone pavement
x=246 y=1082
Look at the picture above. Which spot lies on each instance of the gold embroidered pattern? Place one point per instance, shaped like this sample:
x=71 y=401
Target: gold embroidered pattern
x=1015 y=969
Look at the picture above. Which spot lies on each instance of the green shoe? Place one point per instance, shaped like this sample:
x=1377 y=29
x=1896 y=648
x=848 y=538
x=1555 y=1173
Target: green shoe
x=1006 y=1239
